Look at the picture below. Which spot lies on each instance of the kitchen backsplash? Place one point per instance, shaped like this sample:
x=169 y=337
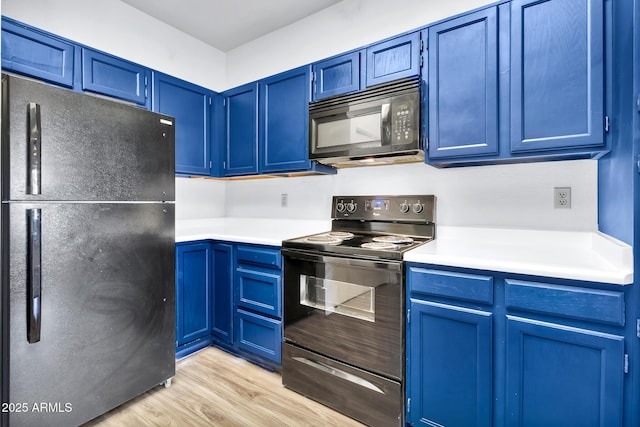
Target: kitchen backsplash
x=502 y=196
x=199 y=198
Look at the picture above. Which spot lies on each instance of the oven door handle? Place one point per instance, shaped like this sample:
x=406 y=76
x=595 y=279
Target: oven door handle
x=339 y=373
x=350 y=262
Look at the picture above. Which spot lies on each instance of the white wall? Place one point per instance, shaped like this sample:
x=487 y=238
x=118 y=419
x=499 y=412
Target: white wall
x=121 y=30
x=346 y=25
x=506 y=195
x=199 y=198
x=503 y=195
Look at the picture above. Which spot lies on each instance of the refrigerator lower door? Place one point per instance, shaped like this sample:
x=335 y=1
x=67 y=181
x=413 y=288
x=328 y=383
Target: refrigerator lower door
x=102 y=329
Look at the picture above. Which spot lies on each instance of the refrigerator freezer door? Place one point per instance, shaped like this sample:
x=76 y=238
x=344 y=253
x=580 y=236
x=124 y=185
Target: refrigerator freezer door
x=82 y=147
x=107 y=300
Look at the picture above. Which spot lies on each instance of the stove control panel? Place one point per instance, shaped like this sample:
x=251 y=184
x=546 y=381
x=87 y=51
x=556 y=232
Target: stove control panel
x=385 y=208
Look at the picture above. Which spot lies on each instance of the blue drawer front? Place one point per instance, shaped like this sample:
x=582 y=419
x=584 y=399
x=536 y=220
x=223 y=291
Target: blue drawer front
x=566 y=301
x=259 y=335
x=259 y=291
x=467 y=287
x=259 y=256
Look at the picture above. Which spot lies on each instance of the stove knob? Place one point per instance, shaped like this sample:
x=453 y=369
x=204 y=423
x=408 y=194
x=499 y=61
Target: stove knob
x=351 y=207
x=417 y=208
x=340 y=207
x=404 y=207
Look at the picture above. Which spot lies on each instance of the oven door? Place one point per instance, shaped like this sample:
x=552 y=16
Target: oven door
x=346 y=309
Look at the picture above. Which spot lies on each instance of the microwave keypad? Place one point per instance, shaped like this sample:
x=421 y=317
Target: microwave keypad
x=402 y=122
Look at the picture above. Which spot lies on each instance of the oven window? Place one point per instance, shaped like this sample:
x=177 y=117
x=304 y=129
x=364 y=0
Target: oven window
x=334 y=296
x=361 y=130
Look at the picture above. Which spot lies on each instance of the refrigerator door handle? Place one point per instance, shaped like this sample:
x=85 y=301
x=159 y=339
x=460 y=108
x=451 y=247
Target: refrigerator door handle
x=34 y=275
x=33 y=156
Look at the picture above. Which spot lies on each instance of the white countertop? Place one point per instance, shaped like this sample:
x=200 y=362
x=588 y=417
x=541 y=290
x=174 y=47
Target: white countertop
x=589 y=256
x=261 y=231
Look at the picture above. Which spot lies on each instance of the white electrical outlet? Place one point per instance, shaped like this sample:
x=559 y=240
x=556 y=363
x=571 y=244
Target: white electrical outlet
x=562 y=197
x=284 y=200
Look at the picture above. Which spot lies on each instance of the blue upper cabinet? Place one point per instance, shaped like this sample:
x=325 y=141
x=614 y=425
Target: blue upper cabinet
x=115 y=77
x=393 y=59
x=463 y=86
x=337 y=76
x=284 y=121
x=189 y=105
x=37 y=54
x=241 y=106
x=557 y=74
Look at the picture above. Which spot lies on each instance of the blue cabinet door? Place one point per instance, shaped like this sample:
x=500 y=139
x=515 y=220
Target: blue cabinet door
x=189 y=104
x=115 y=77
x=560 y=376
x=193 y=295
x=557 y=74
x=37 y=54
x=393 y=59
x=222 y=292
x=284 y=121
x=449 y=370
x=259 y=335
x=241 y=130
x=337 y=76
x=463 y=86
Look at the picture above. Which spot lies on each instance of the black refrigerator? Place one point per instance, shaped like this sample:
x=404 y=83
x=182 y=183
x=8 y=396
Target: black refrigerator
x=87 y=244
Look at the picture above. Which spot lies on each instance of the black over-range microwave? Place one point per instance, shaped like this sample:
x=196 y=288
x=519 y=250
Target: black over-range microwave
x=380 y=125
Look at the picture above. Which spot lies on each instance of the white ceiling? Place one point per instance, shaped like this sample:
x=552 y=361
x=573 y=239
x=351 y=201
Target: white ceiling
x=227 y=24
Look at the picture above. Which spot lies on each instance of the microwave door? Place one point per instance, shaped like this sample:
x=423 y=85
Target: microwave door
x=347 y=131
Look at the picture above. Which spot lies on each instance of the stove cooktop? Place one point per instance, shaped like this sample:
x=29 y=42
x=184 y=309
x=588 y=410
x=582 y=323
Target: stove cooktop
x=383 y=246
x=374 y=227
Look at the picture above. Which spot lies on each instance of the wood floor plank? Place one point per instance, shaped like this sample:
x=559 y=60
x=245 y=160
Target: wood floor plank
x=214 y=388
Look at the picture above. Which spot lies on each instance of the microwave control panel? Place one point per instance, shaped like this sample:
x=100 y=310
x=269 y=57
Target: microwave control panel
x=405 y=116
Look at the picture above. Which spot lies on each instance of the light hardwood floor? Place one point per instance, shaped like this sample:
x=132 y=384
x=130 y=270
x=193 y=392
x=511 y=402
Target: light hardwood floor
x=214 y=388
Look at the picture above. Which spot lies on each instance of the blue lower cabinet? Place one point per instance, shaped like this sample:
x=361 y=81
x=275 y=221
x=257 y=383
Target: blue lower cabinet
x=193 y=292
x=222 y=292
x=260 y=291
x=449 y=379
x=259 y=335
x=561 y=376
x=258 y=302
x=487 y=348
x=229 y=295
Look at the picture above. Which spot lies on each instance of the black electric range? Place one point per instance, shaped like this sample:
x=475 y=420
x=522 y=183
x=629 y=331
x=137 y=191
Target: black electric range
x=373 y=227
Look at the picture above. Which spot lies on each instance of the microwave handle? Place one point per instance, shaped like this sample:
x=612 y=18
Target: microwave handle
x=385 y=122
